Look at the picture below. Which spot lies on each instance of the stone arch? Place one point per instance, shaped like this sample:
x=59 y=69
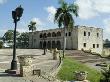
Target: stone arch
x=44 y=35
x=58 y=45
x=49 y=34
x=53 y=34
x=44 y=44
x=58 y=33
x=53 y=45
x=40 y=35
x=49 y=44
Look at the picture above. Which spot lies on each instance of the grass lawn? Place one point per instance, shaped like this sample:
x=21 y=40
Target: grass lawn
x=69 y=66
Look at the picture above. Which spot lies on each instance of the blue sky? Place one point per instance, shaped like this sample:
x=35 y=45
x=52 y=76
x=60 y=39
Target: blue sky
x=91 y=13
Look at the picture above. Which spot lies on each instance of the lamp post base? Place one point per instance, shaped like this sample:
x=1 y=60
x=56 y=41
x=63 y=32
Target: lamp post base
x=13 y=69
x=14 y=65
x=12 y=72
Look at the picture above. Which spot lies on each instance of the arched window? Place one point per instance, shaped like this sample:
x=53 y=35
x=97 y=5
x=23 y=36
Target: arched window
x=49 y=44
x=44 y=35
x=58 y=33
x=69 y=34
x=53 y=44
x=84 y=33
x=53 y=34
x=58 y=45
x=49 y=34
x=41 y=35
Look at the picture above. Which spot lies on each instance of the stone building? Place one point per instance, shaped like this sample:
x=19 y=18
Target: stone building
x=80 y=37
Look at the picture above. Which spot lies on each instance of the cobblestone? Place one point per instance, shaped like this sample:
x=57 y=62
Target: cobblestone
x=44 y=62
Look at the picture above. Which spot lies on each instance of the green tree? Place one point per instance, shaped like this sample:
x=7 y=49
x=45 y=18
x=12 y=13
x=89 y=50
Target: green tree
x=23 y=40
x=106 y=43
x=64 y=17
x=8 y=36
x=32 y=27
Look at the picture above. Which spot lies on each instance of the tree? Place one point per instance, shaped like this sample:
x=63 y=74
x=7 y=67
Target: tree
x=106 y=43
x=8 y=36
x=32 y=27
x=64 y=17
x=23 y=40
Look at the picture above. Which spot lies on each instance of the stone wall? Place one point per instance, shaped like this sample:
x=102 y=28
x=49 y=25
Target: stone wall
x=106 y=52
x=75 y=41
x=93 y=36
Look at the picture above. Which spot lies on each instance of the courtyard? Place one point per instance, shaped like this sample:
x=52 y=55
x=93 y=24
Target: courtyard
x=43 y=62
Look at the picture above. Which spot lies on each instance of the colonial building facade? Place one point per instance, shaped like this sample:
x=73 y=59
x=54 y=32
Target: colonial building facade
x=80 y=37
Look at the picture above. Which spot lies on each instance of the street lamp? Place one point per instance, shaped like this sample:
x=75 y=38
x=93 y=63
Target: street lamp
x=16 y=14
x=44 y=43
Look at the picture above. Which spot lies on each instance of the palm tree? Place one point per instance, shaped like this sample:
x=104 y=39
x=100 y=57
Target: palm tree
x=64 y=17
x=32 y=27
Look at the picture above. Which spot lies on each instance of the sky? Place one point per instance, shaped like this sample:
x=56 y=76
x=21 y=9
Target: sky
x=94 y=13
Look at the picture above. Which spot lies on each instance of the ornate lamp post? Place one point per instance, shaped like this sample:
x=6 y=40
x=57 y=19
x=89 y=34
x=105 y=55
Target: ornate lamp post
x=44 y=44
x=16 y=14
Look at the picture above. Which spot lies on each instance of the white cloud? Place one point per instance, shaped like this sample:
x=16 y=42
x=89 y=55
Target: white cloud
x=92 y=8
x=22 y=27
x=102 y=6
x=86 y=9
x=22 y=30
x=51 y=10
x=107 y=28
x=38 y=21
x=3 y=1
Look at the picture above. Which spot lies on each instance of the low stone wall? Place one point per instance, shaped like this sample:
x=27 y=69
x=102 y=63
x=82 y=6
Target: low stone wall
x=26 y=69
x=106 y=52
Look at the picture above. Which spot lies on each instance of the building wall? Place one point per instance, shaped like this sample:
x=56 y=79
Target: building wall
x=75 y=38
x=92 y=39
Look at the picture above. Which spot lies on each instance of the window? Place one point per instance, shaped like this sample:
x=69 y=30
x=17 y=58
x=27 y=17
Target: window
x=49 y=34
x=53 y=34
x=84 y=33
x=58 y=33
x=66 y=34
x=40 y=35
x=97 y=45
x=88 y=33
x=93 y=45
x=69 y=34
x=97 y=34
x=84 y=44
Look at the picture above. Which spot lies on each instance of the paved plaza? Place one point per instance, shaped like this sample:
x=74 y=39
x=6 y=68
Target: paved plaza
x=43 y=62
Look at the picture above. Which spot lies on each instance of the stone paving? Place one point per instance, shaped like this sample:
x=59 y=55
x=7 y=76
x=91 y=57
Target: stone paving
x=43 y=62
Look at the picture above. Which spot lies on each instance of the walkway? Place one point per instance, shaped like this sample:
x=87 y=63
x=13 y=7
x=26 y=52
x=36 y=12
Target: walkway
x=43 y=62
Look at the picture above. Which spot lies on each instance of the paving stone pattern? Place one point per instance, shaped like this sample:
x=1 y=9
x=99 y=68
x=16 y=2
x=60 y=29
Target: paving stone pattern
x=43 y=62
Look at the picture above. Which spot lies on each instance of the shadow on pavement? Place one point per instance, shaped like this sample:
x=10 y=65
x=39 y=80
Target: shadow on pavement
x=3 y=74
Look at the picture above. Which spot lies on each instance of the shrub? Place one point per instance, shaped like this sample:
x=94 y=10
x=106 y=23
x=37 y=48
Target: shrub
x=106 y=75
